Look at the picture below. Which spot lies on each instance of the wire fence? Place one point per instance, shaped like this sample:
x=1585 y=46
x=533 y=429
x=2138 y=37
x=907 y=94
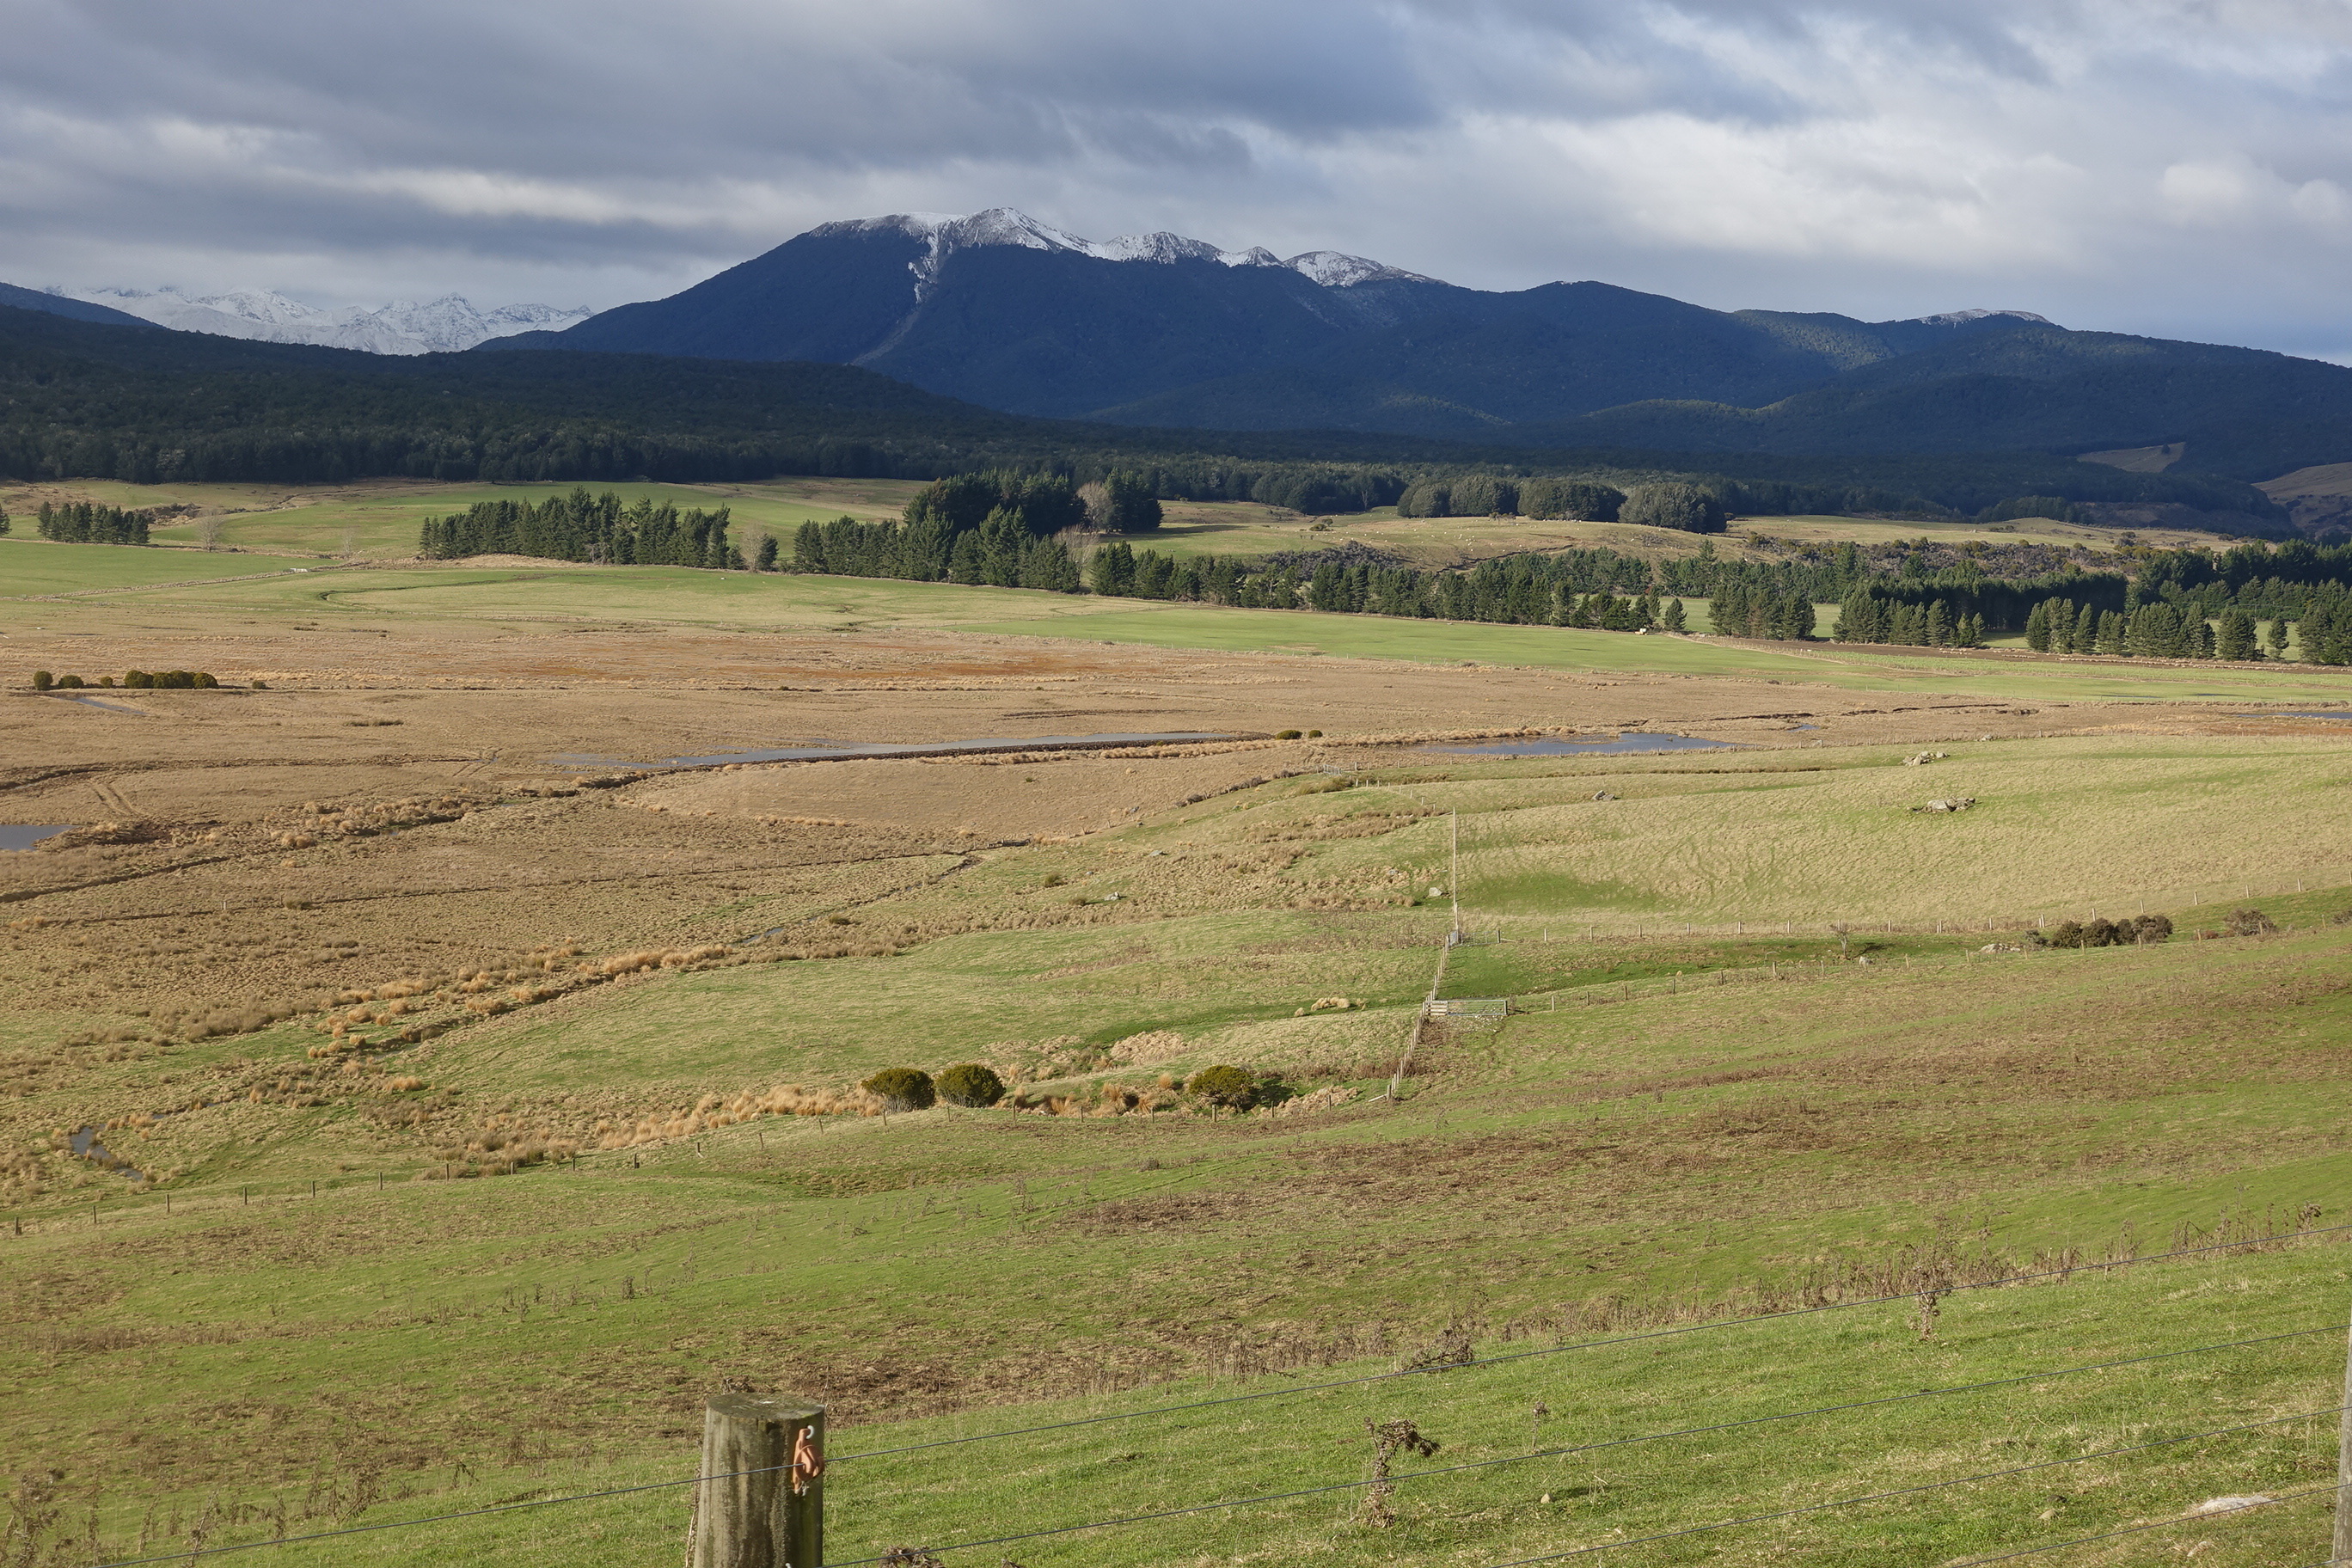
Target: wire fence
x=2329 y=1330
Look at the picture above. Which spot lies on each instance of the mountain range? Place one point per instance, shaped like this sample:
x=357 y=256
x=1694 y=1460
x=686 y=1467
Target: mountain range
x=999 y=309
x=445 y=325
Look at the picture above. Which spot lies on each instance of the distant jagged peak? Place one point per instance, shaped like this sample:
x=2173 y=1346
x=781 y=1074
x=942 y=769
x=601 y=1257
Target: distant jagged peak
x=944 y=234
x=402 y=327
x=1962 y=318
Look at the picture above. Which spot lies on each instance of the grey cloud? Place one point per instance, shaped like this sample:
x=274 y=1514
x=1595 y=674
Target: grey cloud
x=2163 y=164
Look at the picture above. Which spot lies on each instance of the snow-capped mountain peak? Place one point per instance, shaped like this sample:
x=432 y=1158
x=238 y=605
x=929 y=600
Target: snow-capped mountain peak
x=403 y=327
x=945 y=234
x=1962 y=318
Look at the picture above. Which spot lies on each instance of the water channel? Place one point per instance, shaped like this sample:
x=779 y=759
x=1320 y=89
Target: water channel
x=842 y=751
x=1571 y=746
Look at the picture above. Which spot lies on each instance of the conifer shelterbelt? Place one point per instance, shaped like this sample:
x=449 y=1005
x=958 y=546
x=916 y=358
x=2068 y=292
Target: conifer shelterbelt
x=86 y=522
x=582 y=527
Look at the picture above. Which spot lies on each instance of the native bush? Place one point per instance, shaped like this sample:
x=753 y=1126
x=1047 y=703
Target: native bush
x=2250 y=923
x=1233 y=1087
x=970 y=1083
x=902 y=1088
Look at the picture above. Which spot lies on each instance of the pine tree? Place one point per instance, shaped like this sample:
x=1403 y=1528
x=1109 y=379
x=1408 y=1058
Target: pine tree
x=2236 y=638
x=767 y=556
x=2037 y=627
x=1938 y=630
x=2277 y=638
x=1112 y=571
x=2086 y=630
x=1673 y=620
x=2111 y=633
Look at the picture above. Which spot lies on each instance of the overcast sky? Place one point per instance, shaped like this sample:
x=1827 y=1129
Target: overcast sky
x=2175 y=167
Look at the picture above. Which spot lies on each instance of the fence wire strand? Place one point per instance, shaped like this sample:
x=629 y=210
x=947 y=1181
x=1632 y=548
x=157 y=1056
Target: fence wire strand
x=2155 y=1524
x=1585 y=1345
x=1940 y=1485
x=1608 y=1545
x=184 y=1555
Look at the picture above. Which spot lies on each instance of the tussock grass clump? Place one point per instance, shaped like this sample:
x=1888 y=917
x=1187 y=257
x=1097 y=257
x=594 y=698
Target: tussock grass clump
x=712 y=1111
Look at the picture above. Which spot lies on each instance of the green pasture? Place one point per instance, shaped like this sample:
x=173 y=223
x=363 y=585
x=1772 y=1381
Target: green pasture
x=381 y=519
x=638 y=594
x=35 y=566
x=1667 y=1161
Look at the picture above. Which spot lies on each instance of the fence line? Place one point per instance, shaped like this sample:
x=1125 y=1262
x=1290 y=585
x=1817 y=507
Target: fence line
x=1930 y=1487
x=1607 y=1545
x=2156 y=1524
x=1599 y=1344
x=2329 y=1328
x=434 y=1519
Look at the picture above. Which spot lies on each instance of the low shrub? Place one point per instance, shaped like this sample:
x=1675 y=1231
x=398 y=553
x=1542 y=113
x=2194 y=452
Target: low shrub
x=2137 y=930
x=2250 y=923
x=902 y=1088
x=1235 y=1088
x=968 y=1083
x=43 y=680
x=1286 y=735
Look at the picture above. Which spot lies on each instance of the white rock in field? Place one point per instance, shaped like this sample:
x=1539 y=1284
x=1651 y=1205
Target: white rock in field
x=2230 y=1504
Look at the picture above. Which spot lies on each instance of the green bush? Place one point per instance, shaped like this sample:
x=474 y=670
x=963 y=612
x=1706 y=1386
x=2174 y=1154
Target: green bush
x=2250 y=923
x=1228 y=1086
x=69 y=683
x=1286 y=735
x=43 y=680
x=968 y=1083
x=902 y=1088
x=2137 y=930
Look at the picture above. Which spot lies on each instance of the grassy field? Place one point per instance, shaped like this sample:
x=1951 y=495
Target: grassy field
x=474 y=595
x=34 y=566
x=379 y=519
x=1576 y=1176
x=329 y=1307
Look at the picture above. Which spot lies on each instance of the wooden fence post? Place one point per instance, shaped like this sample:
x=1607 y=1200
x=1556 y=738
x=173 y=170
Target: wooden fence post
x=2343 y=1547
x=762 y=1501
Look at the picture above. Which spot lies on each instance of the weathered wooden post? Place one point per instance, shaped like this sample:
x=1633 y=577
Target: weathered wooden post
x=760 y=1503
x=2343 y=1549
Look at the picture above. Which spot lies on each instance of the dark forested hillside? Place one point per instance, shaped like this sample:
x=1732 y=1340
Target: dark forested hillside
x=82 y=400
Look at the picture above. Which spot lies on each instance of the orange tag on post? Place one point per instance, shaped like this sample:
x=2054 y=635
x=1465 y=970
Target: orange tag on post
x=807 y=1463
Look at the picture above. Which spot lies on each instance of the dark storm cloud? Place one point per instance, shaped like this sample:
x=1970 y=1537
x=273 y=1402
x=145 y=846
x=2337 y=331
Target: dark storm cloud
x=2174 y=165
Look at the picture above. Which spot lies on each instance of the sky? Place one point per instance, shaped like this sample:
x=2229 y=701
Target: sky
x=2181 y=168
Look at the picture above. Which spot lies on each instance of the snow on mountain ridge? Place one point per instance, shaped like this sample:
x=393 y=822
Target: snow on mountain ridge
x=1962 y=318
x=402 y=327
x=947 y=233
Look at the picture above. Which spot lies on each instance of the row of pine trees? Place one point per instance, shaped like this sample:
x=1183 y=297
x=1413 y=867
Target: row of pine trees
x=582 y=527
x=2155 y=630
x=86 y=522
